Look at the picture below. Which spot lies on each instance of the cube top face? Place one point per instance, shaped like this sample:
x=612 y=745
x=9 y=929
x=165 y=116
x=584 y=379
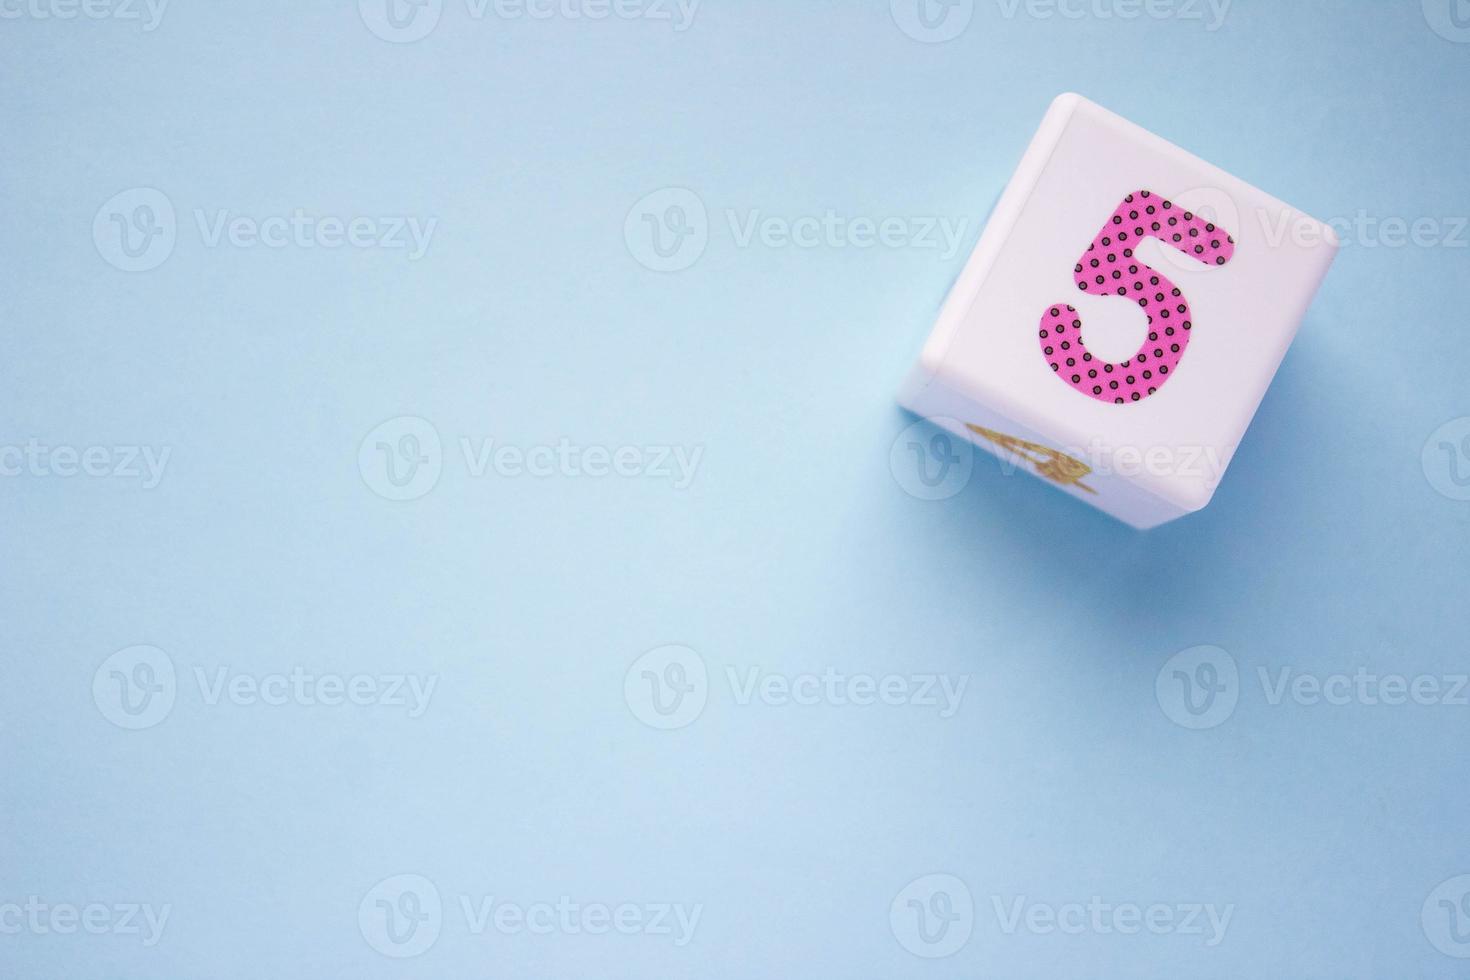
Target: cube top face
x=1126 y=296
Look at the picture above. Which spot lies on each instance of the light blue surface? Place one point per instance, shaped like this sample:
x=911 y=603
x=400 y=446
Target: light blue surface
x=1332 y=834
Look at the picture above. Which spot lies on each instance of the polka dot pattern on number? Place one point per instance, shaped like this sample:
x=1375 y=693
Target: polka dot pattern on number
x=1109 y=268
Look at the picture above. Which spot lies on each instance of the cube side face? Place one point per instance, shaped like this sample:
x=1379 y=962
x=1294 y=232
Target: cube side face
x=1022 y=450
x=1083 y=318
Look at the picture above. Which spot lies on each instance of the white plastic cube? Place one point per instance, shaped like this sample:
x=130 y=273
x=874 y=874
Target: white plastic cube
x=1120 y=318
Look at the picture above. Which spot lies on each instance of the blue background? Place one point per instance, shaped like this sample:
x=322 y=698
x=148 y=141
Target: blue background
x=797 y=548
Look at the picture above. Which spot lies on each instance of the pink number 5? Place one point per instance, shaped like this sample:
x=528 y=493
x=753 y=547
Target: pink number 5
x=1108 y=268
